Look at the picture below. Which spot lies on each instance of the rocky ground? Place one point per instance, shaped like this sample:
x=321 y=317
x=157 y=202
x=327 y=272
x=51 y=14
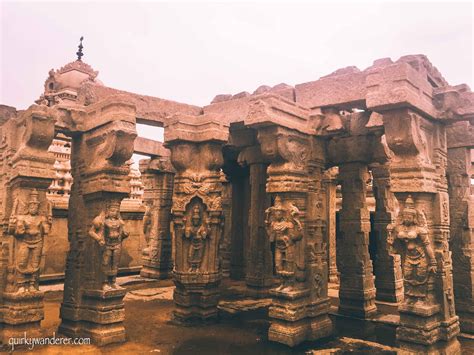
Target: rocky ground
x=242 y=328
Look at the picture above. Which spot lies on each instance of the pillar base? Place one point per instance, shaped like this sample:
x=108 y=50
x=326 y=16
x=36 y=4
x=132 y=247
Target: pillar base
x=357 y=303
x=151 y=272
x=391 y=293
x=466 y=321
x=420 y=327
x=452 y=347
x=30 y=330
x=23 y=308
x=21 y=315
x=100 y=317
x=258 y=288
x=196 y=297
x=293 y=321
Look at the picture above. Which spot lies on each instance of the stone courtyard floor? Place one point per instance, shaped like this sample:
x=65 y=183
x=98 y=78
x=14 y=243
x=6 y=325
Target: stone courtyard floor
x=242 y=327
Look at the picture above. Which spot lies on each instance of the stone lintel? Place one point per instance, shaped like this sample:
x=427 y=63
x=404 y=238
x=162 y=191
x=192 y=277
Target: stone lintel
x=150 y=110
x=150 y=147
x=205 y=128
x=460 y=135
x=268 y=110
x=77 y=119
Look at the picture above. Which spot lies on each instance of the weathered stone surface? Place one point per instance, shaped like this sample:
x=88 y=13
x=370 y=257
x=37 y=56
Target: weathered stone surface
x=92 y=304
x=249 y=198
x=196 y=216
x=158 y=179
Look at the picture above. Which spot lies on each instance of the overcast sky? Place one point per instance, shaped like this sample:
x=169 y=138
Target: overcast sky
x=190 y=52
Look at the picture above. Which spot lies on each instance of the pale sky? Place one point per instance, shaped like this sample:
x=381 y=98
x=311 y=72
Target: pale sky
x=190 y=52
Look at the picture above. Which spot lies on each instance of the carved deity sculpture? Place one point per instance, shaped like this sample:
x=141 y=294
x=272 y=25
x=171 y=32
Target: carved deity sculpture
x=285 y=230
x=29 y=231
x=409 y=237
x=109 y=232
x=197 y=232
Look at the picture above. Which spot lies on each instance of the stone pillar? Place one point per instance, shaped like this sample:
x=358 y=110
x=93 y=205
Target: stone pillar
x=388 y=272
x=330 y=185
x=259 y=264
x=27 y=172
x=196 y=155
x=93 y=302
x=239 y=178
x=295 y=223
x=226 y=244
x=357 y=290
x=420 y=234
x=158 y=178
x=461 y=203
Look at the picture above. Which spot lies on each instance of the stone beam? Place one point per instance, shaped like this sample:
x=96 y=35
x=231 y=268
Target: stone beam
x=460 y=135
x=202 y=128
x=270 y=110
x=149 y=110
x=150 y=147
x=344 y=88
x=410 y=82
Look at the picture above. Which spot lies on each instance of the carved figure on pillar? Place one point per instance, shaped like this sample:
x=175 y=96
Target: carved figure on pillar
x=109 y=231
x=285 y=230
x=410 y=239
x=29 y=231
x=197 y=232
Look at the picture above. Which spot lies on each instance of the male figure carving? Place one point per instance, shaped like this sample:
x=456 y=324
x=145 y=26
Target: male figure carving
x=109 y=232
x=29 y=231
x=284 y=229
x=197 y=232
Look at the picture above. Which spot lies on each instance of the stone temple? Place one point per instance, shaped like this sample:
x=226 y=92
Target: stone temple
x=349 y=197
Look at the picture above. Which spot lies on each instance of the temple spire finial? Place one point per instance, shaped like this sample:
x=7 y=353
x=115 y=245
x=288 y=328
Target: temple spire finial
x=79 y=52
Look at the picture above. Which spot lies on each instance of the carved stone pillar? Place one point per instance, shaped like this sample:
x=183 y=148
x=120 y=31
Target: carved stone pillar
x=259 y=264
x=388 y=273
x=158 y=178
x=428 y=321
x=330 y=185
x=357 y=290
x=93 y=302
x=461 y=203
x=296 y=224
x=196 y=155
x=27 y=172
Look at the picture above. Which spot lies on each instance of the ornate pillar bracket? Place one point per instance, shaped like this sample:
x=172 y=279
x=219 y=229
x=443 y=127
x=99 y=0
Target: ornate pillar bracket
x=420 y=234
x=197 y=216
x=93 y=302
x=158 y=179
x=295 y=223
x=26 y=173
